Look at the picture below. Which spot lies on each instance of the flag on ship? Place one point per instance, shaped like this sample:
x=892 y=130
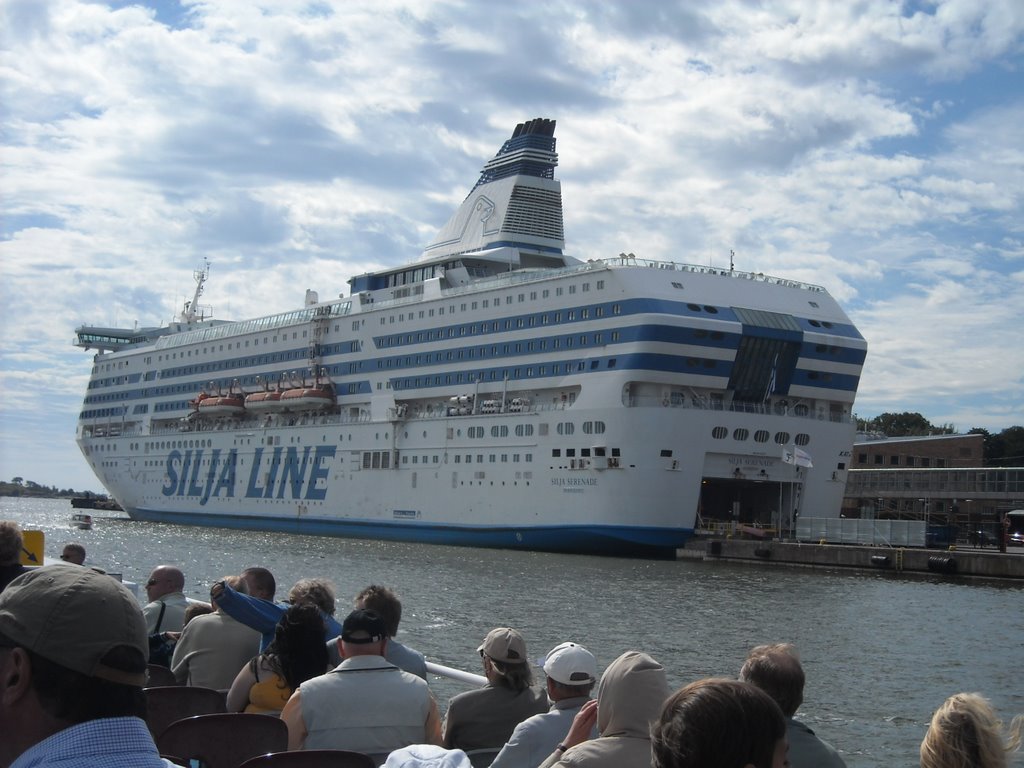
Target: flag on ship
x=796 y=456
x=772 y=378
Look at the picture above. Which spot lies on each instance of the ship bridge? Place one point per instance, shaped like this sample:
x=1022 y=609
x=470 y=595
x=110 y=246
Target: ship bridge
x=113 y=339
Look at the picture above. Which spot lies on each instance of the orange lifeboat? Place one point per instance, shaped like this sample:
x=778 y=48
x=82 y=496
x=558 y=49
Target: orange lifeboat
x=194 y=403
x=230 y=404
x=260 y=402
x=317 y=397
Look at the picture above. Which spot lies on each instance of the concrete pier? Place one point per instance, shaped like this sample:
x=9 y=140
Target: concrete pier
x=963 y=562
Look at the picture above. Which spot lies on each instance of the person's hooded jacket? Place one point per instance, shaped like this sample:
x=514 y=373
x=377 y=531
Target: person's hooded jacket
x=629 y=698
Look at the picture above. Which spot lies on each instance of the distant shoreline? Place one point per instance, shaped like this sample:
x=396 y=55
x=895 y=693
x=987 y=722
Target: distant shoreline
x=29 y=490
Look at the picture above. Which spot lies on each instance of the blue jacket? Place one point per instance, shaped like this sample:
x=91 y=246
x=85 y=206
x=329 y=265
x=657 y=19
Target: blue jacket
x=263 y=615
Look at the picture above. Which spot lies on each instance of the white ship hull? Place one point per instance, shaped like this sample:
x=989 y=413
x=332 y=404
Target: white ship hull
x=548 y=404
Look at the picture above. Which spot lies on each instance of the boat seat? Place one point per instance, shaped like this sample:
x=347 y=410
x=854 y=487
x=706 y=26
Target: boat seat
x=158 y=675
x=311 y=758
x=223 y=740
x=482 y=757
x=169 y=703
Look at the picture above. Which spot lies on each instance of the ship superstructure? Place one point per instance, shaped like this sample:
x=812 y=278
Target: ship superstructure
x=496 y=392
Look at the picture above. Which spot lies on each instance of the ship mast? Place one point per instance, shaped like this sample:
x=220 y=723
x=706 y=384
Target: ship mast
x=191 y=311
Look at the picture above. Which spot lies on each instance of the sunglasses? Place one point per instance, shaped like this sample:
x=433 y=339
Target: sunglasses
x=151 y=582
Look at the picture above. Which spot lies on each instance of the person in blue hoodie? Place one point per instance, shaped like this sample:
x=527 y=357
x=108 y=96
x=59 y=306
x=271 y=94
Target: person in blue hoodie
x=262 y=614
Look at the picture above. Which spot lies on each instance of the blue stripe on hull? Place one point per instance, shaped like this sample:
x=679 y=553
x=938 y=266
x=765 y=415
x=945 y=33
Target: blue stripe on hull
x=583 y=539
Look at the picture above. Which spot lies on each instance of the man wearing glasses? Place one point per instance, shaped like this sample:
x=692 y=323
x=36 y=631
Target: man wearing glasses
x=73 y=553
x=165 y=611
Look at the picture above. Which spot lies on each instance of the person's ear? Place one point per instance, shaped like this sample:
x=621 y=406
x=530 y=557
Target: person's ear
x=15 y=676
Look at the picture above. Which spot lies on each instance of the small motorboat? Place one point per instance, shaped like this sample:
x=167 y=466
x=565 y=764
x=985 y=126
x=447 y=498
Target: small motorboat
x=81 y=521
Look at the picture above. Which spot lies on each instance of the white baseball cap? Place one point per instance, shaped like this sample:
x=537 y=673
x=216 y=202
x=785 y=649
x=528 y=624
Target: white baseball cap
x=427 y=756
x=570 y=664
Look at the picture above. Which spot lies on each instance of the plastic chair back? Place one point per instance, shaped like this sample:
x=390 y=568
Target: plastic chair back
x=159 y=676
x=312 y=758
x=224 y=740
x=167 y=704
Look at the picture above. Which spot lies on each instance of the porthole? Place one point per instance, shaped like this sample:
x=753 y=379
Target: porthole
x=761 y=436
x=781 y=438
x=740 y=434
x=719 y=433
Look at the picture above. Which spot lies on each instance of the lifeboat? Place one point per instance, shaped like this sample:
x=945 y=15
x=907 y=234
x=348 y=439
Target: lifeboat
x=260 y=402
x=312 y=398
x=222 y=405
x=194 y=403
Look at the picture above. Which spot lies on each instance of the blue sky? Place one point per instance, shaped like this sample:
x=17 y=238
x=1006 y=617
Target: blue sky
x=875 y=148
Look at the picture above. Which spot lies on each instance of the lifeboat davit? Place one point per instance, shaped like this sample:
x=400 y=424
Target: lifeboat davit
x=222 y=405
x=260 y=402
x=194 y=403
x=308 y=398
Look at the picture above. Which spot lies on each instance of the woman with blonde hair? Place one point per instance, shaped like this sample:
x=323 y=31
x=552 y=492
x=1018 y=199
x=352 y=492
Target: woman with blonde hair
x=966 y=733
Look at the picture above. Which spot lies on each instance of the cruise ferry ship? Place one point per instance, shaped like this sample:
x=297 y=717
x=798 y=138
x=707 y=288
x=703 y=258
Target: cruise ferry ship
x=496 y=392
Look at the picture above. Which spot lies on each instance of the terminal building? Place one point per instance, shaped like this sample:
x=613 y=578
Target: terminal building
x=940 y=479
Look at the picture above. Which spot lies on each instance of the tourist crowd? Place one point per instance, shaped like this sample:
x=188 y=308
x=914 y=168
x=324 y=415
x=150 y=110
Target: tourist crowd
x=76 y=650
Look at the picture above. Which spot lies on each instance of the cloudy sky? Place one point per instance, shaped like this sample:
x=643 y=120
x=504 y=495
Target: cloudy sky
x=875 y=148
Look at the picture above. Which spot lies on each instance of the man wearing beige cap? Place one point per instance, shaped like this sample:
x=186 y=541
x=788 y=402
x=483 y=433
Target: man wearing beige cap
x=571 y=672
x=73 y=652
x=481 y=721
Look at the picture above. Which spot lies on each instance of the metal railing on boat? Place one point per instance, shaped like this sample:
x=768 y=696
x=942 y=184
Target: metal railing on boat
x=456 y=674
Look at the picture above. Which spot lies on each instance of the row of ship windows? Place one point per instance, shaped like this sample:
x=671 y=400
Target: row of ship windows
x=494 y=351
x=526 y=430
x=495 y=326
x=497 y=431
x=487 y=303
x=458 y=458
x=499 y=374
x=586 y=452
x=760 y=436
x=382 y=459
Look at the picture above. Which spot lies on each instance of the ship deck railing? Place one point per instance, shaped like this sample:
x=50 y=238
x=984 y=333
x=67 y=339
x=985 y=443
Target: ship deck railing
x=518 y=277
x=763 y=409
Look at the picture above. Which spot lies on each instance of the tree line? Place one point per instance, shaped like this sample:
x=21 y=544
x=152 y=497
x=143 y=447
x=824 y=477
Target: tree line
x=30 y=489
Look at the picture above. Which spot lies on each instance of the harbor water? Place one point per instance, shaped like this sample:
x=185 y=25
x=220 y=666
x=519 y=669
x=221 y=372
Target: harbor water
x=881 y=651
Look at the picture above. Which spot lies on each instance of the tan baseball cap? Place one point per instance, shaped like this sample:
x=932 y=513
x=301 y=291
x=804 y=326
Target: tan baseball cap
x=504 y=644
x=74 y=617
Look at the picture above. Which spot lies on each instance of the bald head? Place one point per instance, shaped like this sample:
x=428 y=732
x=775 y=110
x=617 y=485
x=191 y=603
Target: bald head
x=776 y=670
x=164 y=580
